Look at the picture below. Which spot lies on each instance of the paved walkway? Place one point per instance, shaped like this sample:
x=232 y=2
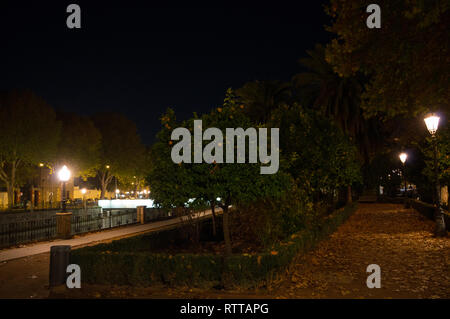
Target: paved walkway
x=92 y=238
x=414 y=263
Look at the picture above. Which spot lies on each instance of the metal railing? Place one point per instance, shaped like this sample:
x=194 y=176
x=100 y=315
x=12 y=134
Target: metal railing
x=107 y=219
x=22 y=232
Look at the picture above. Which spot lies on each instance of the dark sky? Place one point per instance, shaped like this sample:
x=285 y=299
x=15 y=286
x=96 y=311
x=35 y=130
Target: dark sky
x=140 y=59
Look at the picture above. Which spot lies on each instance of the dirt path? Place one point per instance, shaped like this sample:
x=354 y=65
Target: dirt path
x=413 y=264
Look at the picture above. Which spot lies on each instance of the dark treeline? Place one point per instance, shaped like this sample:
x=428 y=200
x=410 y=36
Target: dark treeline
x=105 y=145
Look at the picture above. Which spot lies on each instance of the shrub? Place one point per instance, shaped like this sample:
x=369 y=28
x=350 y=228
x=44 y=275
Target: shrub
x=269 y=221
x=117 y=263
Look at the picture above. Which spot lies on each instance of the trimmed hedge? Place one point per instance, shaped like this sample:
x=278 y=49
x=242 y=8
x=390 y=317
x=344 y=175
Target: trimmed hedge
x=111 y=264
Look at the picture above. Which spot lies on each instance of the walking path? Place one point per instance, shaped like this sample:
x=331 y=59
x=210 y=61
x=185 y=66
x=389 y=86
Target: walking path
x=413 y=263
x=91 y=238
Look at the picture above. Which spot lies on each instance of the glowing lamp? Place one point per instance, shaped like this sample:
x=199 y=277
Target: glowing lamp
x=403 y=157
x=64 y=174
x=432 y=123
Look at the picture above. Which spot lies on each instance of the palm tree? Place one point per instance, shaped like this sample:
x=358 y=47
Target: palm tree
x=260 y=98
x=338 y=98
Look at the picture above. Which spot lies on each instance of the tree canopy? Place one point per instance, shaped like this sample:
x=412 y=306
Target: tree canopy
x=121 y=149
x=407 y=60
x=29 y=134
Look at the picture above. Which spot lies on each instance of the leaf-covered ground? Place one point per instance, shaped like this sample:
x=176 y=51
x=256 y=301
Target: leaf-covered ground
x=413 y=264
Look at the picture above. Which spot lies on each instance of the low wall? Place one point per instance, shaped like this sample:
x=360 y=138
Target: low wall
x=427 y=210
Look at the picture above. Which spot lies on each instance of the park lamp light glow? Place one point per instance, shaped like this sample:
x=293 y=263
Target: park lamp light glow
x=403 y=157
x=64 y=174
x=117 y=191
x=83 y=191
x=432 y=123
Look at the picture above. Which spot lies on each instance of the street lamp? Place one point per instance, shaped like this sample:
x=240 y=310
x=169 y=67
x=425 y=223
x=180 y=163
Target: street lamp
x=403 y=157
x=83 y=191
x=64 y=176
x=432 y=123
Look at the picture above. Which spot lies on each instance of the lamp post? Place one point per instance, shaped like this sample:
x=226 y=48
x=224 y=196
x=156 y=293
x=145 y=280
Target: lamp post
x=83 y=191
x=64 y=176
x=403 y=157
x=432 y=123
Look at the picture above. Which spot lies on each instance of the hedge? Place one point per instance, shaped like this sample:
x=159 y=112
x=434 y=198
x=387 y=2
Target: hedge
x=112 y=264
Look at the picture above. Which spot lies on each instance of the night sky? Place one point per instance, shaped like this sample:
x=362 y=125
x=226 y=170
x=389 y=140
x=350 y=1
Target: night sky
x=140 y=59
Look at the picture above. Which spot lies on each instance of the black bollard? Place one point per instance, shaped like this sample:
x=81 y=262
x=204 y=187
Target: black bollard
x=59 y=260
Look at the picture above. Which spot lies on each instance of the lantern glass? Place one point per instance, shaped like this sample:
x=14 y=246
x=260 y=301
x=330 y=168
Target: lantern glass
x=432 y=123
x=403 y=157
x=64 y=174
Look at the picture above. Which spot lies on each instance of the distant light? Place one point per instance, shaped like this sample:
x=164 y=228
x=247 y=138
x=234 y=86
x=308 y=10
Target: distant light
x=64 y=174
x=117 y=191
x=432 y=123
x=83 y=191
x=218 y=199
x=125 y=203
x=41 y=164
x=403 y=157
x=107 y=166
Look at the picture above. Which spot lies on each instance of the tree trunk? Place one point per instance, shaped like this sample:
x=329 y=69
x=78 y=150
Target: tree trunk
x=213 y=219
x=226 y=230
x=104 y=181
x=440 y=228
x=349 y=194
x=10 y=191
x=103 y=191
x=10 y=186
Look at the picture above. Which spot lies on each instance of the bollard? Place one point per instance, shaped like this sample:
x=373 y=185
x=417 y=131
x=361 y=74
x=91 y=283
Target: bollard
x=59 y=260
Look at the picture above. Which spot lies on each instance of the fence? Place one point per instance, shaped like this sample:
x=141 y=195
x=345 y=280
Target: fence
x=153 y=214
x=21 y=232
x=11 y=217
x=107 y=219
x=26 y=229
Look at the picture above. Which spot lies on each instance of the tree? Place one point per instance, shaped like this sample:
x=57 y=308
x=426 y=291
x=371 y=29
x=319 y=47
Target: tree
x=260 y=98
x=338 y=98
x=406 y=60
x=239 y=183
x=173 y=185
x=29 y=134
x=319 y=156
x=79 y=146
x=121 y=148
